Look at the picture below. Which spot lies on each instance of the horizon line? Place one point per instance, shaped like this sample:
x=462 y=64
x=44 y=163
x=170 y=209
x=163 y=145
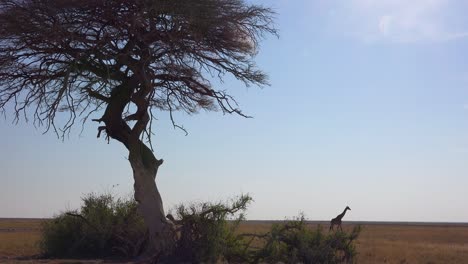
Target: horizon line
x=370 y=222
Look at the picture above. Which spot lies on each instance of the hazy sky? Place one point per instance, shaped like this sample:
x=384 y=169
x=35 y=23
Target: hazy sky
x=368 y=107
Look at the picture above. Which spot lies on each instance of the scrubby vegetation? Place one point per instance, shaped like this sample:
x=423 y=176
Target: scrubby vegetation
x=295 y=242
x=204 y=232
x=103 y=227
x=207 y=232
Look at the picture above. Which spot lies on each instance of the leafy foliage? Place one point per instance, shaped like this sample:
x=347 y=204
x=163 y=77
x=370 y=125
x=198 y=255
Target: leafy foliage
x=208 y=231
x=295 y=242
x=104 y=227
x=205 y=233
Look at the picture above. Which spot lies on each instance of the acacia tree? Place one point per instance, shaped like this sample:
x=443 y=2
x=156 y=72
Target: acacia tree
x=123 y=60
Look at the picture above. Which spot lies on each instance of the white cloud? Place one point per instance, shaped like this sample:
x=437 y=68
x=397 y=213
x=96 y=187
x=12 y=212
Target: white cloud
x=385 y=24
x=403 y=20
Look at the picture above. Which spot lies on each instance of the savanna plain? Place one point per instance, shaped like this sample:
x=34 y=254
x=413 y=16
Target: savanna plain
x=378 y=242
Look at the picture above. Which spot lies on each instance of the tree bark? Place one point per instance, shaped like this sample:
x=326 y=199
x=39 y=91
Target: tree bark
x=145 y=167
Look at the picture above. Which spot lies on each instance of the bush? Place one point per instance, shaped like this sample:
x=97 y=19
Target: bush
x=104 y=227
x=207 y=232
x=294 y=242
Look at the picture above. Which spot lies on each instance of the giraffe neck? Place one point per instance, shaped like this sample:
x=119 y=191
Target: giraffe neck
x=342 y=214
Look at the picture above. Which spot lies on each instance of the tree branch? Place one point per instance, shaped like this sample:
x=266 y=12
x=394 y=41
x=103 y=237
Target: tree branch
x=96 y=95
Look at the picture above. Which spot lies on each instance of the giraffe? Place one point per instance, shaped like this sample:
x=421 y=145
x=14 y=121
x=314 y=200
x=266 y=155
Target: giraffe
x=337 y=219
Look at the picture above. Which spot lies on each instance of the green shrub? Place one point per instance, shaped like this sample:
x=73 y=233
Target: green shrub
x=207 y=232
x=103 y=227
x=295 y=242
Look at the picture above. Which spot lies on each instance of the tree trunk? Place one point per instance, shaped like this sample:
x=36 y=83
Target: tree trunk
x=145 y=167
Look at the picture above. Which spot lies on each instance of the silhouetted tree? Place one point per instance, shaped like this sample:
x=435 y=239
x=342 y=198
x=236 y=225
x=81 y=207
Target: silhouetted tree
x=123 y=59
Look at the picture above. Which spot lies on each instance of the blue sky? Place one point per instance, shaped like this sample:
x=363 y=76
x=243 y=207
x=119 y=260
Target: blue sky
x=368 y=107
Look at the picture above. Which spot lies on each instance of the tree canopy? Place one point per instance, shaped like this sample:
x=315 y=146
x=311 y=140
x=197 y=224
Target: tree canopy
x=126 y=57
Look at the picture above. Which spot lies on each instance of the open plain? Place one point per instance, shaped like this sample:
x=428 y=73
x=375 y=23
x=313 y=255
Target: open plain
x=379 y=242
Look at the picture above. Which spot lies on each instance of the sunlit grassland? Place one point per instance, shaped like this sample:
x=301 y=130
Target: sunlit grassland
x=14 y=244
x=19 y=237
x=378 y=243
x=413 y=244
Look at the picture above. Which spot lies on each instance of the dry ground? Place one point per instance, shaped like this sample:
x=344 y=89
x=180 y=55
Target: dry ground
x=378 y=243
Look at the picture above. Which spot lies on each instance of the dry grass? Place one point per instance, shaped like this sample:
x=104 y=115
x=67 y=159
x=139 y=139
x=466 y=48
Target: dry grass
x=13 y=244
x=19 y=237
x=378 y=243
x=413 y=244
x=6 y=223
